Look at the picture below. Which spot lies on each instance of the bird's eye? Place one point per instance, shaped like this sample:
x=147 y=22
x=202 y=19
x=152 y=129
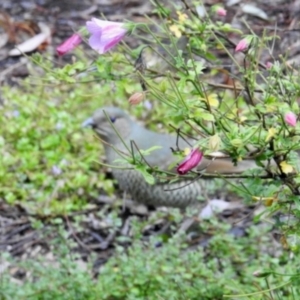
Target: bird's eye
x=113 y=119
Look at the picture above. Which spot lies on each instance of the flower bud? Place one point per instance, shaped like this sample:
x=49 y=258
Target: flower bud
x=220 y=11
x=242 y=45
x=191 y=161
x=214 y=142
x=136 y=98
x=291 y=119
x=269 y=65
x=68 y=45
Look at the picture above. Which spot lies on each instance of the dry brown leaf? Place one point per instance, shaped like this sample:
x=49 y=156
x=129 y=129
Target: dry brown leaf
x=32 y=43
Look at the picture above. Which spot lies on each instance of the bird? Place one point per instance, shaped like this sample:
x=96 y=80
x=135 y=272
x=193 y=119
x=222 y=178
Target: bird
x=118 y=132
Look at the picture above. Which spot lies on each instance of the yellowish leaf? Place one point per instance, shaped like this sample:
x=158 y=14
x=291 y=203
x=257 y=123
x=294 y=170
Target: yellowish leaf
x=286 y=168
x=175 y=29
x=242 y=119
x=212 y=100
x=271 y=133
x=186 y=151
x=268 y=201
x=214 y=142
x=256 y=198
x=181 y=17
x=284 y=242
x=271 y=108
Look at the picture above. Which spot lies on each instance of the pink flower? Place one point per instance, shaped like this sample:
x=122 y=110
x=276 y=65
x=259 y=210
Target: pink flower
x=104 y=34
x=242 y=45
x=68 y=45
x=190 y=161
x=291 y=119
x=221 y=11
x=269 y=65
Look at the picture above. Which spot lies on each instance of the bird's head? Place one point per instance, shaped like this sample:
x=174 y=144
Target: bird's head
x=107 y=122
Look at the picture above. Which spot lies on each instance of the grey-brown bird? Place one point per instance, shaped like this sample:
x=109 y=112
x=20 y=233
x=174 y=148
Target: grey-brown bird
x=178 y=194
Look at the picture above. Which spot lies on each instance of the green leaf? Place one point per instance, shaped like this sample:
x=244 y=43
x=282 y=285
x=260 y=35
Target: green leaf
x=50 y=141
x=238 y=143
x=207 y=117
x=147 y=176
x=148 y=151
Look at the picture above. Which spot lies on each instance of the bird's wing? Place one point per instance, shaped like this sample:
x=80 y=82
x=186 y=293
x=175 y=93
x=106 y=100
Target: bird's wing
x=225 y=166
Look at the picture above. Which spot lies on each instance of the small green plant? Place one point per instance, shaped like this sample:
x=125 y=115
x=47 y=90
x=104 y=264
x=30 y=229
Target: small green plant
x=48 y=162
x=225 y=268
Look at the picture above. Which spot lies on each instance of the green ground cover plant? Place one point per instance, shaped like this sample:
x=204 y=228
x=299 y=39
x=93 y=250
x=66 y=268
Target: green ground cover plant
x=226 y=268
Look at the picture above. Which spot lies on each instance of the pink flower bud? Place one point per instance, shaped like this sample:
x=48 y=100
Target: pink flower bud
x=68 y=45
x=269 y=65
x=242 y=45
x=104 y=34
x=291 y=119
x=191 y=161
x=136 y=98
x=220 y=11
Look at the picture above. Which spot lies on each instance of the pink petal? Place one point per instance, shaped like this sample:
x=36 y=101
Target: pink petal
x=71 y=43
x=269 y=65
x=96 y=43
x=93 y=28
x=291 y=119
x=111 y=38
x=190 y=162
x=241 y=46
x=102 y=24
x=104 y=34
x=221 y=12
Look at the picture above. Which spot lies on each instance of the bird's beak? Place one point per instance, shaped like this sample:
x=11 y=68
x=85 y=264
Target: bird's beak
x=88 y=123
